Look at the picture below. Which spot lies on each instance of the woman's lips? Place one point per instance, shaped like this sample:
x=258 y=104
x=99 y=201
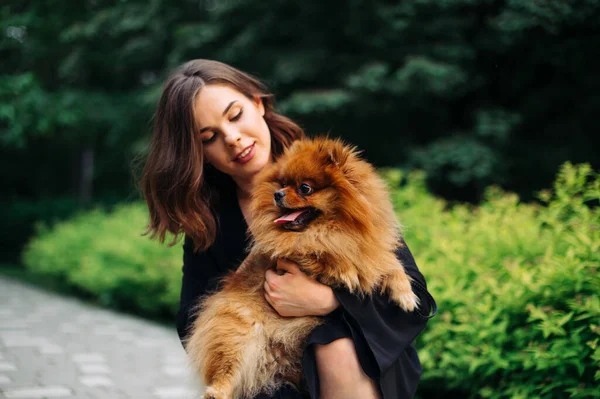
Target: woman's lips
x=248 y=157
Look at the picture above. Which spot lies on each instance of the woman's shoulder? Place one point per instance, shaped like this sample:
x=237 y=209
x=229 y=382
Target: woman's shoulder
x=231 y=239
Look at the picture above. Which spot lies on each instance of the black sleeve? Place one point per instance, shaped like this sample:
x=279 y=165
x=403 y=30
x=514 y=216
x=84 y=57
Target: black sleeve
x=381 y=330
x=201 y=275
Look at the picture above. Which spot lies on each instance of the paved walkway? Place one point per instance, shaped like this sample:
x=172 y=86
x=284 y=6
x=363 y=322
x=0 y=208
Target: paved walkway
x=58 y=347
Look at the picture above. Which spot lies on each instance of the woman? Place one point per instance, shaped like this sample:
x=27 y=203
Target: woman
x=215 y=129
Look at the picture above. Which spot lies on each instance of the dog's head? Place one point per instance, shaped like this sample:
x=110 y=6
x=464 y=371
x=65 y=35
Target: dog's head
x=317 y=188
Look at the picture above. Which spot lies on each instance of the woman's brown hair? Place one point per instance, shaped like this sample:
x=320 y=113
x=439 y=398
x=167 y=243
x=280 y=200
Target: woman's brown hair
x=180 y=191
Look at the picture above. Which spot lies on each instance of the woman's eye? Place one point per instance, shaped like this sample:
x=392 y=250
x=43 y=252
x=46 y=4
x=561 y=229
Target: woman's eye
x=238 y=116
x=305 y=189
x=208 y=139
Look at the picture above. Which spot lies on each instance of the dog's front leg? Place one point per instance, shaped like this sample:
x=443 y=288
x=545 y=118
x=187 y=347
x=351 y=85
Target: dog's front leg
x=217 y=349
x=398 y=286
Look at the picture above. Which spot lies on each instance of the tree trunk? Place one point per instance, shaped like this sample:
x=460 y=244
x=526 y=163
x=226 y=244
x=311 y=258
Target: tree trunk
x=86 y=176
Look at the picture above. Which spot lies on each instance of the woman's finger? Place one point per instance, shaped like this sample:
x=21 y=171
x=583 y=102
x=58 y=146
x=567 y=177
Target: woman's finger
x=267 y=288
x=268 y=299
x=270 y=275
x=287 y=265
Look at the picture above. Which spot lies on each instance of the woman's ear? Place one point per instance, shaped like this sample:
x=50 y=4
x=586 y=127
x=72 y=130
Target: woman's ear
x=259 y=104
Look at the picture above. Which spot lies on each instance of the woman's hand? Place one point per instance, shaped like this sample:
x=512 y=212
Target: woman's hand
x=295 y=294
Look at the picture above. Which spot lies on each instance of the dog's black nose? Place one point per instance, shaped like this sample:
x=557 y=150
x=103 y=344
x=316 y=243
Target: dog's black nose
x=279 y=195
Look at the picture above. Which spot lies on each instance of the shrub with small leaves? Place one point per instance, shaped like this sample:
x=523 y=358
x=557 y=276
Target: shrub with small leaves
x=517 y=287
x=105 y=256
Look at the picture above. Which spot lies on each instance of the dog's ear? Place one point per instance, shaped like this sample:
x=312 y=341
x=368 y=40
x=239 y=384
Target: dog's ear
x=337 y=153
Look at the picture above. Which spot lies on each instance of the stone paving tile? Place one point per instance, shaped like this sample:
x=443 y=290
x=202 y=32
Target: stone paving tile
x=4 y=366
x=39 y=392
x=174 y=393
x=96 y=381
x=94 y=369
x=57 y=347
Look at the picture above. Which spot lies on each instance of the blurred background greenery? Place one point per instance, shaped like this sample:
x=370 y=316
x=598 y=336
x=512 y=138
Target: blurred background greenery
x=475 y=93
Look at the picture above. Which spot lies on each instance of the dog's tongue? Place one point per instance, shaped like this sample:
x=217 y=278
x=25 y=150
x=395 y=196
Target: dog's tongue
x=290 y=217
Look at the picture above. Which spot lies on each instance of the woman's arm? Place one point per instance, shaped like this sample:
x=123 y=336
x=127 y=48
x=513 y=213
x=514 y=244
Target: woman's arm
x=382 y=328
x=201 y=274
x=292 y=293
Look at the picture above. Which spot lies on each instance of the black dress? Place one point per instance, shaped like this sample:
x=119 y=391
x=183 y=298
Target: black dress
x=383 y=333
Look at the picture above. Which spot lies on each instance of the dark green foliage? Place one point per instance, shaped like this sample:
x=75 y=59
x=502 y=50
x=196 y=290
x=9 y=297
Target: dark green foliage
x=19 y=218
x=474 y=92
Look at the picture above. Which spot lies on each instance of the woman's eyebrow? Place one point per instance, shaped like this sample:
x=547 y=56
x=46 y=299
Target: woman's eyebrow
x=224 y=112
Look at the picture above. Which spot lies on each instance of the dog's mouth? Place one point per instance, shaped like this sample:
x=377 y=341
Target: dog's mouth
x=297 y=219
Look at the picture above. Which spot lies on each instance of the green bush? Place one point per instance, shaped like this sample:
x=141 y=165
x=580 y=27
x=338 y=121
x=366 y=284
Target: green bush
x=19 y=217
x=516 y=284
x=104 y=256
x=517 y=287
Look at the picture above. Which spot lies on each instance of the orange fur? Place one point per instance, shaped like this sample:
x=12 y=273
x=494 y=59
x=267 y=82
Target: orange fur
x=239 y=345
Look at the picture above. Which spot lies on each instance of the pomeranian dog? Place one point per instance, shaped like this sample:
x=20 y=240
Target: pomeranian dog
x=325 y=208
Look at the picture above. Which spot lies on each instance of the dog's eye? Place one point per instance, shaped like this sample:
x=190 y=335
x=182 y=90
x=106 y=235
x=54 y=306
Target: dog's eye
x=282 y=184
x=305 y=189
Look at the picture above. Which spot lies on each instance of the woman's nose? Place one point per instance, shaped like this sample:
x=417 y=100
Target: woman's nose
x=232 y=136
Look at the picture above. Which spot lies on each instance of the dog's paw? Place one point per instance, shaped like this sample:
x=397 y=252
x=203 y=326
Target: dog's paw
x=212 y=393
x=407 y=300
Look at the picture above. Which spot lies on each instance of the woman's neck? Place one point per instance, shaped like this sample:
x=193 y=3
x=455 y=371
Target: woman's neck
x=244 y=189
x=243 y=198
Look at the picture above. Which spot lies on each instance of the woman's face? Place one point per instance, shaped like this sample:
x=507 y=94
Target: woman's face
x=235 y=136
